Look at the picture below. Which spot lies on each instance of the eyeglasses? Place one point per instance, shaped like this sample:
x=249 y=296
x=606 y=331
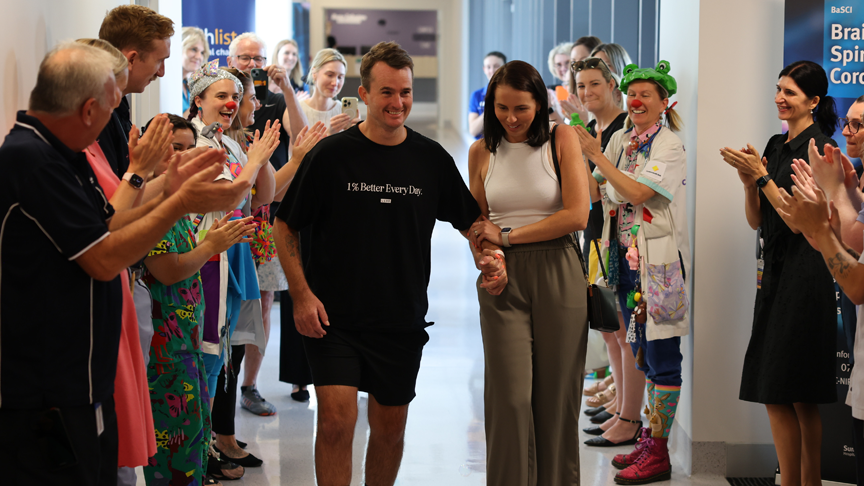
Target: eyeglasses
x=854 y=125
x=590 y=63
x=250 y=58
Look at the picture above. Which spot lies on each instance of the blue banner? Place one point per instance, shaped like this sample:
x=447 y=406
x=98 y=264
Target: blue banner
x=221 y=21
x=829 y=32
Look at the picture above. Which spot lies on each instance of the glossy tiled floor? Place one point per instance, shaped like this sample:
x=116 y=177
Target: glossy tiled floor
x=445 y=436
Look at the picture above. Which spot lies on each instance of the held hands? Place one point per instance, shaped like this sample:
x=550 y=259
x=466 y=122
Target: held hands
x=264 y=145
x=307 y=139
x=309 y=315
x=224 y=233
x=591 y=146
x=485 y=230
x=145 y=152
x=342 y=122
x=747 y=162
x=493 y=271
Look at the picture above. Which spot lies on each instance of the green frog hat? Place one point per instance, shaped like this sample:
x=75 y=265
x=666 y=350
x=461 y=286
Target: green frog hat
x=659 y=75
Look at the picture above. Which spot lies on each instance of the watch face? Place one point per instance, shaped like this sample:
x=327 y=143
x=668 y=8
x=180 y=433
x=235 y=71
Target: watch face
x=505 y=230
x=136 y=180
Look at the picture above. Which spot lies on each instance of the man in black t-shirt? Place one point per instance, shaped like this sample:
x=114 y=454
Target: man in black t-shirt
x=371 y=196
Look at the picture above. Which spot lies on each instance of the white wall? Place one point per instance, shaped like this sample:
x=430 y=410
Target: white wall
x=452 y=95
x=726 y=57
x=35 y=26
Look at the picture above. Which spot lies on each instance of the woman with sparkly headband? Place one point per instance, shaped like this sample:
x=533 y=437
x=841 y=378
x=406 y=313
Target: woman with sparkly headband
x=640 y=178
x=598 y=90
x=228 y=278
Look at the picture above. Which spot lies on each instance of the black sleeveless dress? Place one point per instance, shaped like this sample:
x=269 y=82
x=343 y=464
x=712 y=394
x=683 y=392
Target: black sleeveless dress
x=791 y=356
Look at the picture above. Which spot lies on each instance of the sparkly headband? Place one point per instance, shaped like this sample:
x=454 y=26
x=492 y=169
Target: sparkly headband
x=208 y=74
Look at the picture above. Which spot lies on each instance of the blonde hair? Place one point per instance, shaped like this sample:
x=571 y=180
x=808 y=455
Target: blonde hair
x=191 y=35
x=562 y=48
x=119 y=60
x=296 y=74
x=608 y=75
x=323 y=57
x=672 y=117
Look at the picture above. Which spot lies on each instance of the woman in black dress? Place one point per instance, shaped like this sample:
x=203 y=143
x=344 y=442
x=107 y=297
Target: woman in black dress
x=789 y=364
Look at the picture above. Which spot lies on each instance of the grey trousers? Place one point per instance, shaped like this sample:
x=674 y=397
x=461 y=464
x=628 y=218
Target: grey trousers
x=535 y=337
x=144 y=311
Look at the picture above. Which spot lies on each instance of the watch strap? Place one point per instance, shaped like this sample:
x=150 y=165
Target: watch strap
x=133 y=179
x=505 y=237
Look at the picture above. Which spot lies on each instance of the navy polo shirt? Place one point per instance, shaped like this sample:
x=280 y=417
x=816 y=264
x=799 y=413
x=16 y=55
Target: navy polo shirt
x=114 y=139
x=59 y=328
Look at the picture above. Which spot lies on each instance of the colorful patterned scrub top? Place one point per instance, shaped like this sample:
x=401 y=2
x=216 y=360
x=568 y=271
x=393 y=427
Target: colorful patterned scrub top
x=178 y=309
x=626 y=214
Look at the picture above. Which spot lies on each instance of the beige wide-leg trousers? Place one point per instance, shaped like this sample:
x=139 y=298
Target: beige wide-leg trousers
x=535 y=336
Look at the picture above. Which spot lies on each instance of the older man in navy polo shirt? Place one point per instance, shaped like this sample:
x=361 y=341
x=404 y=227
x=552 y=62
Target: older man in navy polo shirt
x=62 y=247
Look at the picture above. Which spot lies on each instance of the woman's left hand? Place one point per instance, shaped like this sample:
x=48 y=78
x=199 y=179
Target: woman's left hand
x=591 y=146
x=485 y=230
x=746 y=160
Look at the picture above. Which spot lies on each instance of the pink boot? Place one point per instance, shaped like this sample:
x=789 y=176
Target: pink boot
x=623 y=461
x=653 y=465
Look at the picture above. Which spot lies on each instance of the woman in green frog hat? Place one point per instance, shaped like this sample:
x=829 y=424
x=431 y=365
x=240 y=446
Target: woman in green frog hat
x=641 y=179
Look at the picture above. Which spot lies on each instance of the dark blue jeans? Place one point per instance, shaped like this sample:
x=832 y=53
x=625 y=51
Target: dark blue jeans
x=662 y=356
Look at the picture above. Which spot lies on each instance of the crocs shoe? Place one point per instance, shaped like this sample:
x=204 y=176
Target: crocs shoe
x=251 y=400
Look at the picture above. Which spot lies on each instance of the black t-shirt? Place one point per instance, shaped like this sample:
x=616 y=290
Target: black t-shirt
x=114 y=139
x=272 y=109
x=60 y=328
x=371 y=209
x=596 y=217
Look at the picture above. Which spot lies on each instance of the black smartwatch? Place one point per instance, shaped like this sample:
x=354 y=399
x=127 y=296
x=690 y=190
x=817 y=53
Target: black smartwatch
x=763 y=181
x=134 y=180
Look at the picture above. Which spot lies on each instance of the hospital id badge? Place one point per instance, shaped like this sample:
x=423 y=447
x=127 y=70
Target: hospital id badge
x=760 y=268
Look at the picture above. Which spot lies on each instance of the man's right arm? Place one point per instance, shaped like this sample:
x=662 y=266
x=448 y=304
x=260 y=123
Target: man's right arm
x=309 y=313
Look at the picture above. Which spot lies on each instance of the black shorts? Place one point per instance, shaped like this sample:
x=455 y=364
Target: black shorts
x=383 y=364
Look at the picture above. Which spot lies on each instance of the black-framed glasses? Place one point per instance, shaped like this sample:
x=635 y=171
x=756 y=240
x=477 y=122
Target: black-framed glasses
x=251 y=58
x=590 y=63
x=854 y=125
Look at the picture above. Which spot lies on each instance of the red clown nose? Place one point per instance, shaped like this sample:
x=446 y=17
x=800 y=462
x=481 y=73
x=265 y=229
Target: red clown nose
x=231 y=105
x=636 y=104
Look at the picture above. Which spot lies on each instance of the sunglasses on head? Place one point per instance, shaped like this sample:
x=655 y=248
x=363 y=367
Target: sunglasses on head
x=590 y=63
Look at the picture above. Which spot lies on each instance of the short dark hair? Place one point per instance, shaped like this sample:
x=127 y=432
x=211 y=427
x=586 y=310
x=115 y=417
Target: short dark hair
x=178 y=122
x=389 y=53
x=135 y=27
x=497 y=54
x=813 y=81
x=589 y=41
x=521 y=76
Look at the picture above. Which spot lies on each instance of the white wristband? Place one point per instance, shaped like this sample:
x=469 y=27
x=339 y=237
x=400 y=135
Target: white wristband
x=500 y=252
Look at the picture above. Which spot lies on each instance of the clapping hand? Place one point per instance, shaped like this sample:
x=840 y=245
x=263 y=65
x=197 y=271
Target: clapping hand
x=747 y=161
x=591 y=146
x=197 y=192
x=146 y=151
x=264 y=145
x=307 y=139
x=223 y=234
x=806 y=208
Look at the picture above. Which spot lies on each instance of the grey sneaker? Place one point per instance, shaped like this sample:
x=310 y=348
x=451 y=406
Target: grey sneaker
x=251 y=400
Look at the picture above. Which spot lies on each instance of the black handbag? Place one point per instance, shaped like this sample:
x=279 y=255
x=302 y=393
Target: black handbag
x=602 y=313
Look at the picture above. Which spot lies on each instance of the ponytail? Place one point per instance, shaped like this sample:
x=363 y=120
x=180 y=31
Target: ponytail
x=825 y=115
x=193 y=112
x=811 y=78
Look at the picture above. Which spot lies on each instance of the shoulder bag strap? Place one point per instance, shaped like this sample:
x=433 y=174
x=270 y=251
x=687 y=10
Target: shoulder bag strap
x=578 y=249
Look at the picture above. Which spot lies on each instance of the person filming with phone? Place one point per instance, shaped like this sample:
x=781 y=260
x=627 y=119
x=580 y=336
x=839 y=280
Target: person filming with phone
x=326 y=77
